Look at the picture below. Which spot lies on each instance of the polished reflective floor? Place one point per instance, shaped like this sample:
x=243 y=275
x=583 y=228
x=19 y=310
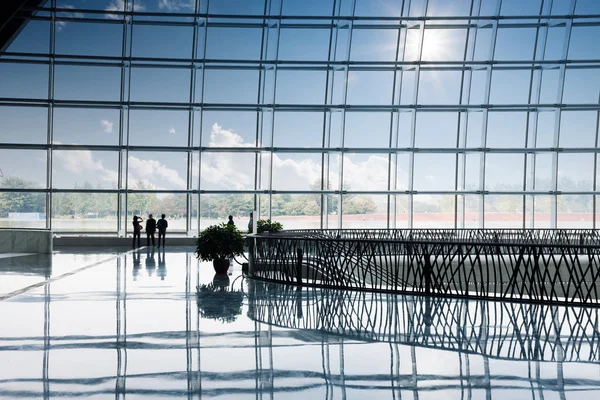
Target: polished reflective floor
x=156 y=324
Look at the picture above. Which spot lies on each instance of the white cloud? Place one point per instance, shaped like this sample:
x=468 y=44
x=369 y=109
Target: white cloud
x=107 y=126
x=83 y=162
x=177 y=5
x=154 y=172
x=220 y=137
x=119 y=5
x=172 y=131
x=60 y=25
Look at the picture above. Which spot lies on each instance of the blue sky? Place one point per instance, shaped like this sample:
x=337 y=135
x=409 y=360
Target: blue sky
x=296 y=171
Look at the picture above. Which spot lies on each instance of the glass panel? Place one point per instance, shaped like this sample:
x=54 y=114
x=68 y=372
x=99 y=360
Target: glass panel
x=227 y=171
x=81 y=38
x=158 y=127
x=505 y=44
x=436 y=129
x=510 y=87
x=251 y=7
x=233 y=43
x=575 y=212
x=230 y=86
x=370 y=87
x=504 y=172
x=87 y=83
x=434 y=172
x=86 y=126
x=162 y=85
x=587 y=7
x=85 y=169
x=407 y=91
x=439 y=87
x=518 y=7
x=374 y=45
x=402 y=162
x=401 y=211
x=84 y=212
x=366 y=8
x=298 y=129
x=228 y=129
x=545 y=129
x=312 y=91
x=542 y=211
x=155 y=41
x=506 y=129
x=296 y=171
x=443 y=8
x=472 y=171
x=471 y=210
x=578 y=128
x=483 y=43
x=549 y=86
x=24 y=80
x=580 y=42
x=22 y=209
x=503 y=211
x=308 y=7
x=215 y=208
x=22 y=169
x=474 y=128
x=434 y=211
x=478 y=87
x=296 y=211
x=444 y=44
x=575 y=172
x=24 y=125
x=157 y=170
x=34 y=38
x=555 y=43
x=333 y=202
x=364 y=211
x=543 y=172
x=366 y=172
x=303 y=44
x=367 y=129
x=581 y=86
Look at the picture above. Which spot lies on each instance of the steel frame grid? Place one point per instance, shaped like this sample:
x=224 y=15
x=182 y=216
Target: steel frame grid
x=202 y=19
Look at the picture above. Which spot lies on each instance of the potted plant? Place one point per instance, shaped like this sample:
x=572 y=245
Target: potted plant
x=219 y=243
x=267 y=226
x=217 y=301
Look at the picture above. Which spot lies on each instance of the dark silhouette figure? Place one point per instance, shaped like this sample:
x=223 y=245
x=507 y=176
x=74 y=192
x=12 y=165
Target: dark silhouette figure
x=230 y=221
x=136 y=263
x=250 y=224
x=137 y=229
x=162 y=266
x=150 y=230
x=150 y=262
x=162 y=226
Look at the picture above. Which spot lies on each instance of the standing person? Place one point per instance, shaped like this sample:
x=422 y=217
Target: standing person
x=150 y=229
x=162 y=226
x=250 y=223
x=230 y=222
x=137 y=229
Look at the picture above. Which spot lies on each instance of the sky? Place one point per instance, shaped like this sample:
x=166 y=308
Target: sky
x=297 y=170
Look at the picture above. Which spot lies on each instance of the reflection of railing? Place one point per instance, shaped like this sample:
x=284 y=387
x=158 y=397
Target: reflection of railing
x=536 y=266
x=495 y=329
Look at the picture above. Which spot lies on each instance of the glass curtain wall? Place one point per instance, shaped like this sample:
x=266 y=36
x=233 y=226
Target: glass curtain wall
x=316 y=113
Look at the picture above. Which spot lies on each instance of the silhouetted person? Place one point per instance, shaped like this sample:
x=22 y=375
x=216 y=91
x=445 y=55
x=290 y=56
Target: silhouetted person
x=150 y=262
x=150 y=229
x=137 y=229
x=250 y=224
x=136 y=263
x=162 y=226
x=230 y=221
x=162 y=266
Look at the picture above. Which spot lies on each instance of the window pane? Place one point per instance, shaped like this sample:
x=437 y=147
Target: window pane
x=545 y=129
x=581 y=86
x=581 y=42
x=483 y=44
x=157 y=170
x=364 y=211
x=367 y=129
x=87 y=83
x=163 y=85
x=308 y=7
x=434 y=211
x=575 y=172
x=233 y=43
x=252 y=7
x=296 y=211
x=555 y=43
x=434 y=172
x=24 y=80
x=506 y=129
x=402 y=167
x=543 y=172
x=81 y=38
x=84 y=212
x=518 y=7
x=549 y=86
x=310 y=91
x=22 y=210
x=228 y=128
x=24 y=125
x=472 y=171
x=84 y=169
x=401 y=211
x=227 y=171
x=504 y=172
x=374 y=45
x=505 y=44
x=439 y=87
x=366 y=172
x=471 y=211
x=478 y=87
x=443 y=8
x=444 y=44
x=172 y=205
x=542 y=211
x=474 y=129
x=215 y=208
x=303 y=44
x=578 y=128
x=510 y=87
x=575 y=212
x=155 y=41
x=370 y=87
x=298 y=129
x=296 y=171
x=86 y=126
x=436 y=129
x=34 y=38
x=503 y=211
x=158 y=128
x=23 y=169
x=231 y=86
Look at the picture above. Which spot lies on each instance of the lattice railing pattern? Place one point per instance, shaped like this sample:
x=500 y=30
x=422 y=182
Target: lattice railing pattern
x=496 y=329
x=525 y=268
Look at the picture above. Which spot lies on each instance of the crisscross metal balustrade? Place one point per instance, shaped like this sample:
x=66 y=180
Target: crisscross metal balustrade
x=547 y=266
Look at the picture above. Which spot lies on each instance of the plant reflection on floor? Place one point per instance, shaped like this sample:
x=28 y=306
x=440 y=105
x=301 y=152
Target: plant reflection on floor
x=218 y=301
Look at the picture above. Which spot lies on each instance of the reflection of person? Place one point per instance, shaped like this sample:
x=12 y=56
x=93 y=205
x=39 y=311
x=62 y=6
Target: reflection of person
x=150 y=229
x=137 y=229
x=162 y=226
x=136 y=264
x=162 y=266
x=250 y=223
x=150 y=262
x=230 y=221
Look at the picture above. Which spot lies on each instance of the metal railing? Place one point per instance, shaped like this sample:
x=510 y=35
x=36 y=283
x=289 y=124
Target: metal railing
x=560 y=266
